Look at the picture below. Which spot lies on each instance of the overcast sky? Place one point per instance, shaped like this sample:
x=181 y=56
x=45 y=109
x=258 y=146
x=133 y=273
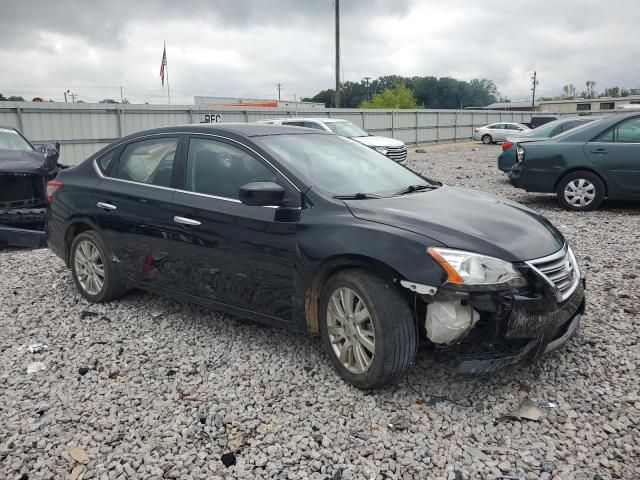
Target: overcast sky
x=242 y=48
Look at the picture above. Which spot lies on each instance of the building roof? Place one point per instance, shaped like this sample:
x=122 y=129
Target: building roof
x=503 y=105
x=597 y=99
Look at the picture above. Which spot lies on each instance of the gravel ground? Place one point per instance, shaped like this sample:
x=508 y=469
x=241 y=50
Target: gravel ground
x=150 y=388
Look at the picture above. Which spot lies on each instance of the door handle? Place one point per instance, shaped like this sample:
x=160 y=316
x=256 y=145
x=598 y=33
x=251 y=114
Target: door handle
x=186 y=221
x=105 y=206
x=600 y=151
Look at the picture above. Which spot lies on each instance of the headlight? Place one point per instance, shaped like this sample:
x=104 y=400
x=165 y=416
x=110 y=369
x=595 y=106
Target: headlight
x=468 y=268
x=381 y=150
x=520 y=154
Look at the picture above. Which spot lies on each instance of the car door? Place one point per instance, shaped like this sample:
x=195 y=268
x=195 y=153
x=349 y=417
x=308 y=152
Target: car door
x=227 y=252
x=616 y=153
x=498 y=132
x=132 y=205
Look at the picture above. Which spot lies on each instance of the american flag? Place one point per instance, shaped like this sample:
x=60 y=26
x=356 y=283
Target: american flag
x=163 y=64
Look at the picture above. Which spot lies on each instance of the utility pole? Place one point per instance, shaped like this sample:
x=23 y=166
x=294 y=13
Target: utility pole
x=279 y=85
x=121 y=96
x=533 y=89
x=366 y=83
x=337 y=2
x=65 y=96
x=73 y=97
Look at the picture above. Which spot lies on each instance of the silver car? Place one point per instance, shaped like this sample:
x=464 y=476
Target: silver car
x=498 y=132
x=392 y=148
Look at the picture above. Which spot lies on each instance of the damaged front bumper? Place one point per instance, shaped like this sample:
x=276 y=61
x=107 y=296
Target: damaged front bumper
x=514 y=327
x=560 y=325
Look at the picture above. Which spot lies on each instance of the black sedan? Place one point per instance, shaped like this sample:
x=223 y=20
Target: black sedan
x=318 y=233
x=586 y=165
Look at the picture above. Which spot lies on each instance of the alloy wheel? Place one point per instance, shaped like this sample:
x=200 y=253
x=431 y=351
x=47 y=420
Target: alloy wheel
x=579 y=192
x=351 y=330
x=89 y=267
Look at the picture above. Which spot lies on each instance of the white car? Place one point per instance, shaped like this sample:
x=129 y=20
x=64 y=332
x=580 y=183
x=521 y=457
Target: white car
x=394 y=149
x=498 y=132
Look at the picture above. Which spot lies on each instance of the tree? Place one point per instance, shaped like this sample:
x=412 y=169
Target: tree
x=611 y=92
x=325 y=96
x=569 y=90
x=398 y=97
x=430 y=92
x=12 y=98
x=591 y=91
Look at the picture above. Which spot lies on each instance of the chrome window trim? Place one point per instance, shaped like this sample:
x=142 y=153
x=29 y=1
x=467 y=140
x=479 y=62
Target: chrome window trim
x=563 y=252
x=102 y=175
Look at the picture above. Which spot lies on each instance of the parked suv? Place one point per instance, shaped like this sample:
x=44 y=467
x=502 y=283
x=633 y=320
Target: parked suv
x=394 y=149
x=317 y=233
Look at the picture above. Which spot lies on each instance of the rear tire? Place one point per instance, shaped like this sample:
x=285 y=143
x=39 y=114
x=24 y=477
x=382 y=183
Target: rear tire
x=94 y=275
x=486 y=139
x=580 y=191
x=386 y=339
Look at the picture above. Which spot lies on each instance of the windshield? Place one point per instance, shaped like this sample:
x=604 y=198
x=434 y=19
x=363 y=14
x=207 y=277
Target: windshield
x=340 y=166
x=12 y=140
x=346 y=129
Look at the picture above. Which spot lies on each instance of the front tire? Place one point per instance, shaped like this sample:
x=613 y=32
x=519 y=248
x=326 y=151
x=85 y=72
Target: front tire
x=580 y=191
x=367 y=329
x=94 y=276
x=486 y=139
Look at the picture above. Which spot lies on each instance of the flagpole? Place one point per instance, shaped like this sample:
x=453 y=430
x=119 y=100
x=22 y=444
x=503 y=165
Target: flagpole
x=167 y=67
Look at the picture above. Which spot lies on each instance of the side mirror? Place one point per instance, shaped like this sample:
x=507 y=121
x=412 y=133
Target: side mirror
x=261 y=194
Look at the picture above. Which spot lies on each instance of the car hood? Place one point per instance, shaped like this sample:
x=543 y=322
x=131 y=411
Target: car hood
x=467 y=220
x=20 y=161
x=379 y=141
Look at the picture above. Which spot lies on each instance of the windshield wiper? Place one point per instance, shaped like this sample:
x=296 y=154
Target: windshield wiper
x=413 y=188
x=357 y=196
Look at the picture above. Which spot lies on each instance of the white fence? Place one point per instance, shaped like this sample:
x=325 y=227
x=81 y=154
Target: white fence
x=82 y=129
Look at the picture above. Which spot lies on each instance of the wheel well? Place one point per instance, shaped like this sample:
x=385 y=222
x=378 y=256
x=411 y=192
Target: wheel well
x=331 y=267
x=72 y=232
x=582 y=169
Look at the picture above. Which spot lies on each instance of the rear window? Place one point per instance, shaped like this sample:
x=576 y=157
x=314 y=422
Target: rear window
x=148 y=161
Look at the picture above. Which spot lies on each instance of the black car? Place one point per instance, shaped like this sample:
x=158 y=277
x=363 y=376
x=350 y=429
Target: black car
x=25 y=170
x=318 y=233
x=539 y=120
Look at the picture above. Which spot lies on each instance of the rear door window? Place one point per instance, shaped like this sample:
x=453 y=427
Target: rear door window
x=148 y=161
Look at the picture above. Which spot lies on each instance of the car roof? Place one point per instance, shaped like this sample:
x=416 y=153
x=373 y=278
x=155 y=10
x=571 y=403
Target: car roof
x=8 y=127
x=243 y=129
x=312 y=119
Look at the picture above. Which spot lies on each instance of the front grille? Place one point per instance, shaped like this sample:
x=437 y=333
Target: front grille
x=560 y=270
x=399 y=154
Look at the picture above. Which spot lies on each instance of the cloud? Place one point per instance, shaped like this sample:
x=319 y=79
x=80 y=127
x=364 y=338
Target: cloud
x=244 y=47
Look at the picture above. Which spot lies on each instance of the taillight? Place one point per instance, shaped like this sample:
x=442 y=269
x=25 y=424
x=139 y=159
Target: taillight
x=52 y=186
x=507 y=145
